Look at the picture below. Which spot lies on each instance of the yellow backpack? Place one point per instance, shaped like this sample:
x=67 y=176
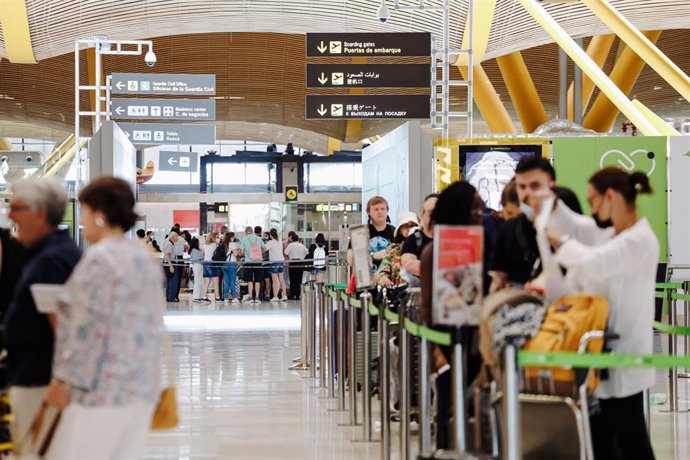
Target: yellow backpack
x=565 y=322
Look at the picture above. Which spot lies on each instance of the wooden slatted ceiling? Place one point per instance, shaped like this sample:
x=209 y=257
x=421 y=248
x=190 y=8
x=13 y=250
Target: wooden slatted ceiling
x=268 y=70
x=55 y=24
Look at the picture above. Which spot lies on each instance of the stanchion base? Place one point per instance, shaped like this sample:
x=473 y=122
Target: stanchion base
x=683 y=375
x=336 y=411
x=349 y=424
x=297 y=360
x=299 y=367
x=677 y=411
x=452 y=454
x=365 y=441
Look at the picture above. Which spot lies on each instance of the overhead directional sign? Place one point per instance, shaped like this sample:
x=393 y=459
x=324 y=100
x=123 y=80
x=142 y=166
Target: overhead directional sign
x=368 y=44
x=178 y=161
x=171 y=84
x=368 y=76
x=163 y=109
x=321 y=107
x=164 y=133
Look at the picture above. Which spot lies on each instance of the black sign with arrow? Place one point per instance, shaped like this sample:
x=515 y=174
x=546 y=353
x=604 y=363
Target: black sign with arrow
x=320 y=107
x=368 y=76
x=368 y=44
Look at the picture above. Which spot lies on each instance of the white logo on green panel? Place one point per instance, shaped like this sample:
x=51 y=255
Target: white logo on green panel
x=628 y=162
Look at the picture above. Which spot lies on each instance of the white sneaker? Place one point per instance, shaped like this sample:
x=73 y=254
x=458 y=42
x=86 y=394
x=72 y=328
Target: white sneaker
x=235 y=300
x=283 y=299
x=256 y=301
x=226 y=300
x=275 y=299
x=247 y=298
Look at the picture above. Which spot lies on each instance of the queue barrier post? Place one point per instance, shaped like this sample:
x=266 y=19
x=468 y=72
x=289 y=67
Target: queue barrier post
x=365 y=299
x=311 y=315
x=342 y=347
x=321 y=308
x=352 y=358
x=333 y=364
x=424 y=397
x=672 y=348
x=458 y=378
x=404 y=372
x=384 y=383
x=302 y=363
x=511 y=406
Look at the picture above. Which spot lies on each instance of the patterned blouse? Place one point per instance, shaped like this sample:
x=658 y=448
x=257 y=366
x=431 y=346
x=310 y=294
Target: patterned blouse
x=108 y=336
x=389 y=270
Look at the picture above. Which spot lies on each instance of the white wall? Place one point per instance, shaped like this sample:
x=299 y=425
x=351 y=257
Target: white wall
x=398 y=167
x=159 y=216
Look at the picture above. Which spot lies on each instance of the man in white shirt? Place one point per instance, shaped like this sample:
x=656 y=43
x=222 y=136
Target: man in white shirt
x=295 y=251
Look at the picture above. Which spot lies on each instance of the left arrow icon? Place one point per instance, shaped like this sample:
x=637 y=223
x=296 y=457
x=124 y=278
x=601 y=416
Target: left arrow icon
x=119 y=85
x=171 y=161
x=322 y=110
x=119 y=110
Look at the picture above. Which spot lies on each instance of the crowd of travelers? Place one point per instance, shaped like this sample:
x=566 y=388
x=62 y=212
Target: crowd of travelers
x=613 y=254
x=271 y=268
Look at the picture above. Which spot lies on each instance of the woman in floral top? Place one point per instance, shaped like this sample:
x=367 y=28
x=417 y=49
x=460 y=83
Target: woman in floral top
x=388 y=273
x=107 y=353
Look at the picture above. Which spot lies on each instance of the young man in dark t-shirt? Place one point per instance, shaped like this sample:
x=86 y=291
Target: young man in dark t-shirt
x=381 y=233
x=413 y=245
x=516 y=255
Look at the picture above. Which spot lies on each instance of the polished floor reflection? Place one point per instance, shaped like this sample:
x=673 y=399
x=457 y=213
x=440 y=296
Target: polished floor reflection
x=238 y=400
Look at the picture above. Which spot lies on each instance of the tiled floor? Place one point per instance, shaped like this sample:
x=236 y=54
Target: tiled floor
x=238 y=400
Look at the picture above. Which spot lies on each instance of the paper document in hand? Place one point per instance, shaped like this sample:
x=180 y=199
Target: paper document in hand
x=47 y=296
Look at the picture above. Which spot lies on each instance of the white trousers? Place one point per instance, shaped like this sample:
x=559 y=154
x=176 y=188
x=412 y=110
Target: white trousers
x=112 y=432
x=198 y=281
x=25 y=403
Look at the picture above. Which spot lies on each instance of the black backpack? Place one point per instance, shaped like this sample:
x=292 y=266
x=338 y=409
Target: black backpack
x=219 y=254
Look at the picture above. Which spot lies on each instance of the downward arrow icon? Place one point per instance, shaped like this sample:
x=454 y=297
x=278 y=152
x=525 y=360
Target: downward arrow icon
x=322 y=110
x=323 y=79
x=119 y=85
x=322 y=48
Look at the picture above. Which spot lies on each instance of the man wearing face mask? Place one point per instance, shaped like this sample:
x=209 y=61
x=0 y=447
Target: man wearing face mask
x=516 y=254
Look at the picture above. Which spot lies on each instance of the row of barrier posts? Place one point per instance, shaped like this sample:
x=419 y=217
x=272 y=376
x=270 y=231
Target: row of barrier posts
x=329 y=325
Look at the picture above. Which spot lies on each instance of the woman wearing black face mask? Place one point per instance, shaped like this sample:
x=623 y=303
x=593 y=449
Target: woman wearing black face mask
x=618 y=263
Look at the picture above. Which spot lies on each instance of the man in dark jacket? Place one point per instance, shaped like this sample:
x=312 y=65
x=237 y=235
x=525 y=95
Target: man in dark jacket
x=37 y=207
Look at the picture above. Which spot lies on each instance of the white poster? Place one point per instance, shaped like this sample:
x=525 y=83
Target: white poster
x=678 y=202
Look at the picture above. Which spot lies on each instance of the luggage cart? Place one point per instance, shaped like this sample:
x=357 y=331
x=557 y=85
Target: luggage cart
x=554 y=426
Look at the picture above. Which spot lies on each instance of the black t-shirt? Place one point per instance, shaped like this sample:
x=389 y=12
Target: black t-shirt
x=415 y=242
x=379 y=240
x=516 y=251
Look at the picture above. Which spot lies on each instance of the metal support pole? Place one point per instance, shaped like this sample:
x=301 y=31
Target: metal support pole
x=311 y=310
x=333 y=346
x=404 y=387
x=341 y=345
x=672 y=347
x=424 y=397
x=384 y=386
x=686 y=319
x=511 y=407
x=366 y=364
x=352 y=368
x=459 y=398
x=301 y=363
x=577 y=90
x=445 y=92
x=562 y=84
x=323 y=360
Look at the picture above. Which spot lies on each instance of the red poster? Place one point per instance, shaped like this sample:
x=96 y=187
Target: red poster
x=458 y=269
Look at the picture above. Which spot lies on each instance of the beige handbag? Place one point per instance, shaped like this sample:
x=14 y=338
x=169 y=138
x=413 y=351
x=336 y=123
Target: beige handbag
x=165 y=415
x=40 y=435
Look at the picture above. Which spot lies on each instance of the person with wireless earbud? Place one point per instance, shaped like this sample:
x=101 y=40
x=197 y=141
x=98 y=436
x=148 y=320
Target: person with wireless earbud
x=614 y=254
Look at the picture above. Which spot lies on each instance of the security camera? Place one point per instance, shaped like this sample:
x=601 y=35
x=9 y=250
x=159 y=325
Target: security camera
x=3 y=159
x=150 y=58
x=383 y=13
x=29 y=158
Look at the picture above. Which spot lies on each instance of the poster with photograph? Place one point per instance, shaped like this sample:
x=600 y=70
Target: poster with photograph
x=361 y=258
x=458 y=264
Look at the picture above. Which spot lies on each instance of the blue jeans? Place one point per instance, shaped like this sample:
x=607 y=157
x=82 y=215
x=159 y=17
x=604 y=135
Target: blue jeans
x=172 y=283
x=229 y=278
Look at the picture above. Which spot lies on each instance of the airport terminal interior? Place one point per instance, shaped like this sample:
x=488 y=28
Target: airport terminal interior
x=361 y=220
